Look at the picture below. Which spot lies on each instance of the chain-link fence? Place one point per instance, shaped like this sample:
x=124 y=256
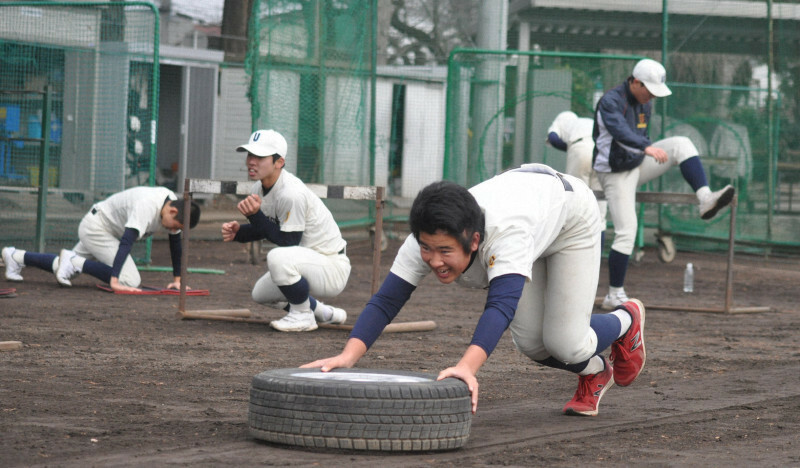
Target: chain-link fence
x=97 y=65
x=734 y=82
x=312 y=79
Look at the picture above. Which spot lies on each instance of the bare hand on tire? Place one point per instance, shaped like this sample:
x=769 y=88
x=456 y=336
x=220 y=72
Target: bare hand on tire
x=328 y=364
x=349 y=356
x=466 y=369
x=465 y=374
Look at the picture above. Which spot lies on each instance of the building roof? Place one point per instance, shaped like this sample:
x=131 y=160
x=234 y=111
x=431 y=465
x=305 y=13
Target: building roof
x=723 y=26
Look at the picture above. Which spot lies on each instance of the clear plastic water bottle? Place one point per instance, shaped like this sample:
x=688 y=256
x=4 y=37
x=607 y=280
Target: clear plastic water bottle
x=688 y=278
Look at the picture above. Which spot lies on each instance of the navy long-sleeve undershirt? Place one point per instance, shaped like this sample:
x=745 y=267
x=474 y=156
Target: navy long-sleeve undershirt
x=125 y=245
x=501 y=304
x=261 y=227
x=175 y=251
x=556 y=141
x=383 y=307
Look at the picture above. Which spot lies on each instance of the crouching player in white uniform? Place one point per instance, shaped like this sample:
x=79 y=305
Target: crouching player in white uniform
x=532 y=237
x=106 y=235
x=573 y=134
x=310 y=257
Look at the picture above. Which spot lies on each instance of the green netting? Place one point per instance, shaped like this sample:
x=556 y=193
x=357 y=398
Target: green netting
x=97 y=64
x=312 y=75
x=500 y=104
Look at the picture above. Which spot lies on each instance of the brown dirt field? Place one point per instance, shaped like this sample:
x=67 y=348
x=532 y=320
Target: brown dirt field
x=104 y=379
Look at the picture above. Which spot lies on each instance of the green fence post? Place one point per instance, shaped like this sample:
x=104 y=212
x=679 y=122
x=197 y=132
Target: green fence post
x=44 y=172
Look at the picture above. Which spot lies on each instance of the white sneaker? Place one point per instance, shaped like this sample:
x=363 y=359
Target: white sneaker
x=716 y=201
x=66 y=270
x=13 y=268
x=611 y=302
x=295 y=321
x=337 y=317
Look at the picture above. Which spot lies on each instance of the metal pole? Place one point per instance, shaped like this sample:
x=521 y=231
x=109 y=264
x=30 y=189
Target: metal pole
x=44 y=172
x=187 y=209
x=373 y=93
x=664 y=59
x=520 y=111
x=731 y=242
x=770 y=121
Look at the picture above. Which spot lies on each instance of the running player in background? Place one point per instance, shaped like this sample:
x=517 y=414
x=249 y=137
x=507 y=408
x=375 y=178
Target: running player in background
x=531 y=236
x=310 y=257
x=106 y=235
x=625 y=158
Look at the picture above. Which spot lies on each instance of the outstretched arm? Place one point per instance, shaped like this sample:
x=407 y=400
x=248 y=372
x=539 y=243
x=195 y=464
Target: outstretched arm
x=352 y=352
x=379 y=312
x=175 y=251
x=125 y=244
x=501 y=303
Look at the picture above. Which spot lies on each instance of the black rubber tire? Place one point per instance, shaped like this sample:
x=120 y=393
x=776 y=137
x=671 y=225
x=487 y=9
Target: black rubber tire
x=359 y=409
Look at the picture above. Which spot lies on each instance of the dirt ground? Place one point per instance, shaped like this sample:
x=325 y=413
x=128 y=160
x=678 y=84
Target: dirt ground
x=104 y=379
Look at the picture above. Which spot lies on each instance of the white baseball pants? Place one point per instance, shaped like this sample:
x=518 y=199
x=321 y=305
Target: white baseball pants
x=554 y=312
x=326 y=274
x=97 y=243
x=620 y=188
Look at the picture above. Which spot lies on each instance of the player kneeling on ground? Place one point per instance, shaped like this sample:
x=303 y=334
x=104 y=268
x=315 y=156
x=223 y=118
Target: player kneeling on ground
x=310 y=257
x=532 y=236
x=106 y=235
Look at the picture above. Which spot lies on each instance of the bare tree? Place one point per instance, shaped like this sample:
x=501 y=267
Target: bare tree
x=411 y=32
x=423 y=32
x=235 y=18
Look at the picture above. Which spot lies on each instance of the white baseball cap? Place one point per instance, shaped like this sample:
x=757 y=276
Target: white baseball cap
x=653 y=76
x=265 y=143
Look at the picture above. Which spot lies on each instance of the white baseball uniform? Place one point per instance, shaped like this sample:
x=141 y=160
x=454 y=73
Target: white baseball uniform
x=102 y=227
x=544 y=226
x=576 y=132
x=620 y=188
x=320 y=258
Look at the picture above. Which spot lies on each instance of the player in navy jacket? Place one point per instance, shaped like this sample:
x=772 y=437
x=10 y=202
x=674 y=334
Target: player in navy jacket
x=625 y=158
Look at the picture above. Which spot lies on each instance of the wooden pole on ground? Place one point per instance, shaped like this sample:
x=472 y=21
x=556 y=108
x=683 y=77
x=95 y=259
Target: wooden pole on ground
x=10 y=345
x=424 y=325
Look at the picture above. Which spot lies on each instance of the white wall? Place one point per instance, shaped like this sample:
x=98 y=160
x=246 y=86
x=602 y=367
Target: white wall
x=423 y=136
x=423 y=146
x=233 y=125
x=383 y=131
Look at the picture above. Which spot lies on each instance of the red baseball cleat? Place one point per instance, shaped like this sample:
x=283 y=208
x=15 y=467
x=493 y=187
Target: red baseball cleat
x=627 y=353
x=590 y=390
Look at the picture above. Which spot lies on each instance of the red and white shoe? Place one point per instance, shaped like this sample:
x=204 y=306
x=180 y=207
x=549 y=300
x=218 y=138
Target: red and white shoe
x=591 y=389
x=628 y=353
